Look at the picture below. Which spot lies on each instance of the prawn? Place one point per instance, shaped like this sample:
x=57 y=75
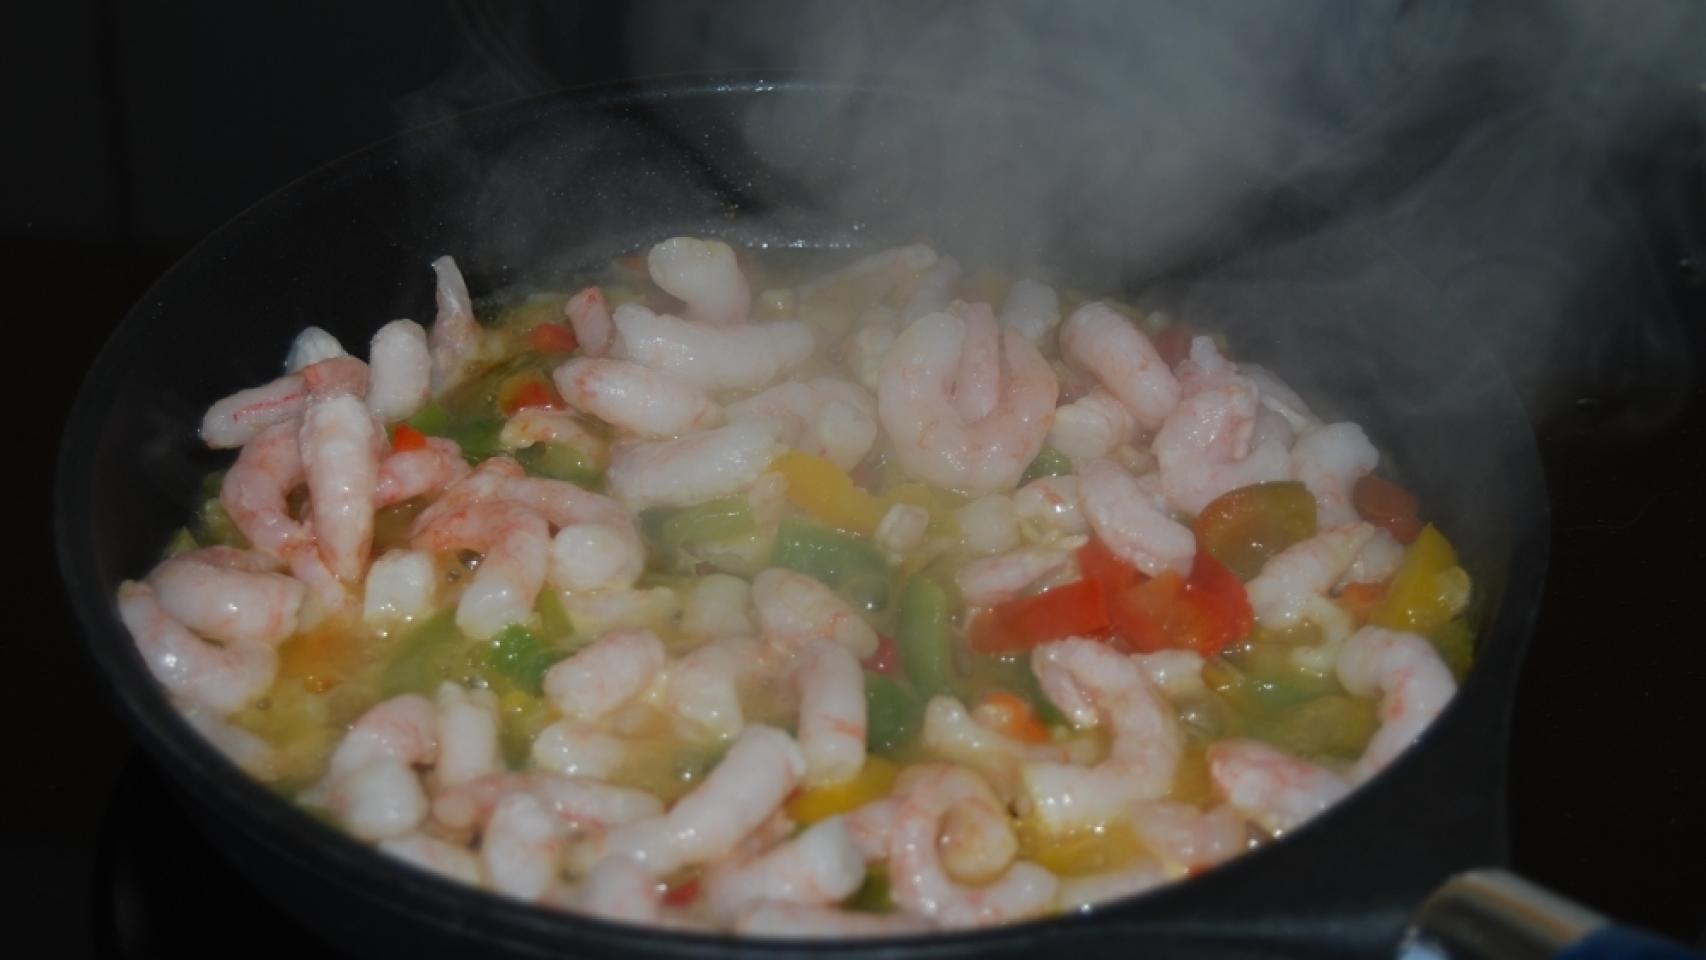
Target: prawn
x=407 y=474
x=1081 y=894
x=583 y=805
x=821 y=866
x=531 y=425
x=694 y=468
x=1031 y=308
x=1094 y=685
x=636 y=399
x=704 y=275
x=826 y=417
x=1293 y=584
x=400 y=375
x=400 y=586
x=229 y=595
x=746 y=357
x=435 y=856
x=794 y=609
x=255 y=490
x=1188 y=840
x=522 y=847
x=514 y=542
x=1414 y=684
x=1330 y=460
x=933 y=289
x=467 y=732
x=1204 y=446
x=952 y=733
x=310 y=347
x=933 y=440
x=455 y=338
x=992 y=580
x=1091 y=427
x=239 y=418
x=589 y=316
x=370 y=782
x=597 y=546
x=341 y=465
x=873 y=276
x=1099 y=341
x=1131 y=524
x=1048 y=507
x=831 y=728
x=703 y=688
x=606 y=674
x=223 y=679
x=1275 y=789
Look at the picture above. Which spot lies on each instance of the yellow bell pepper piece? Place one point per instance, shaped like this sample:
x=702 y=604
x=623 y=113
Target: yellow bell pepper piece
x=827 y=493
x=873 y=782
x=1077 y=852
x=1428 y=589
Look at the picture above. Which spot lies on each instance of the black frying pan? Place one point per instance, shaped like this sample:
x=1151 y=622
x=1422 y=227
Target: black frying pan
x=539 y=189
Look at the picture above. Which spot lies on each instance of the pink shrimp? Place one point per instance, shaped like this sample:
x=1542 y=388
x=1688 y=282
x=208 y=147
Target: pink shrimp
x=583 y=805
x=1188 y=840
x=1271 y=787
x=1293 y=584
x=1098 y=686
x=870 y=826
x=977 y=382
x=223 y=679
x=703 y=689
x=1000 y=578
x=370 y=783
x=597 y=546
x=1131 y=524
x=1048 y=507
x=406 y=474
x=467 y=732
x=934 y=441
x=589 y=316
x=608 y=673
x=695 y=468
x=403 y=728
x=933 y=290
x=400 y=378
x=794 y=609
x=1091 y=427
x=921 y=884
x=310 y=347
x=514 y=541
x=831 y=729
x=455 y=338
x=230 y=595
x=743 y=357
x=1330 y=460
x=952 y=733
x=1032 y=308
x=1204 y=446
x=1109 y=347
x=873 y=276
x=255 y=490
x=522 y=847
x=342 y=469
x=238 y=419
x=826 y=417
x=635 y=399
x=1414 y=684
x=820 y=866
x=704 y=275
x=620 y=889
x=341 y=376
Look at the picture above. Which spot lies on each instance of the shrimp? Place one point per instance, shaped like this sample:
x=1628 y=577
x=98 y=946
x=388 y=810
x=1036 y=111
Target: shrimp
x=400 y=586
x=1083 y=893
x=435 y=856
x=636 y=399
x=1280 y=398
x=310 y=347
x=342 y=468
x=522 y=847
x=238 y=419
x=902 y=529
x=1414 y=684
x=977 y=842
x=933 y=291
x=223 y=679
x=381 y=800
x=1096 y=685
x=343 y=376
x=326 y=595
x=867 y=345
x=230 y=595
x=821 y=866
x=746 y=357
x=953 y=734
x=1188 y=840
x=1099 y=341
x=603 y=676
x=794 y=609
x=1131 y=524
x=400 y=378
x=740 y=793
x=1273 y=788
x=489 y=480
x=923 y=796
x=716 y=607
x=977 y=382
x=589 y=316
x=796 y=921
x=1377 y=560
x=704 y=275
x=1091 y=427
x=467 y=731
x=870 y=826
x=455 y=339
x=1204 y=446
x=514 y=541
x=994 y=580
x=988 y=525
x=407 y=474
x=620 y=889
x=1330 y=460
x=873 y=276
x=1293 y=584
x=695 y=468
x=1048 y=507
x=403 y=728
x=933 y=441
x=1177 y=673
x=826 y=417
x=604 y=610
x=703 y=689
x=597 y=546
x=255 y=490
x=1032 y=308
x=581 y=804
x=831 y=729
x=531 y=425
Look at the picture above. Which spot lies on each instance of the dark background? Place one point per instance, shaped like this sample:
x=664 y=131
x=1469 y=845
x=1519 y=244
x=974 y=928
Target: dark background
x=134 y=129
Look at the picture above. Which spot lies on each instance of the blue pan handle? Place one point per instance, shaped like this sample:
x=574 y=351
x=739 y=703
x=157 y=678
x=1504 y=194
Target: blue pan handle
x=1497 y=915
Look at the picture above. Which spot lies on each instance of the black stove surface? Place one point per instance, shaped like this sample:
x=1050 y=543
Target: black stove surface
x=1608 y=760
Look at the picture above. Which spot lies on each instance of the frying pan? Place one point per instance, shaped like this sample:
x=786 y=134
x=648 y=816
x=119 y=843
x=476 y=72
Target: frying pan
x=533 y=191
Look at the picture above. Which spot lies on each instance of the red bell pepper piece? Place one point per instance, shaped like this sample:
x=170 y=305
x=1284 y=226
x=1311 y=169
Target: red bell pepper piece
x=533 y=393
x=1073 y=610
x=1203 y=612
x=1385 y=504
x=406 y=438
x=552 y=338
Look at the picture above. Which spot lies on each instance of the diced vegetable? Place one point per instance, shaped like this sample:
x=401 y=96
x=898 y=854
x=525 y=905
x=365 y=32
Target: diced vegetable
x=1013 y=716
x=517 y=656
x=525 y=390
x=1247 y=526
x=1360 y=600
x=1049 y=462
x=886 y=660
x=1335 y=725
x=1429 y=588
x=1077 y=852
x=827 y=493
x=676 y=528
x=873 y=782
x=828 y=555
x=1385 y=504
x=1267 y=677
x=894 y=714
x=476 y=435
x=552 y=338
x=1204 y=612
x=924 y=639
x=1173 y=343
x=553 y=619
x=1456 y=645
x=405 y=438
x=874 y=895
x=1074 y=609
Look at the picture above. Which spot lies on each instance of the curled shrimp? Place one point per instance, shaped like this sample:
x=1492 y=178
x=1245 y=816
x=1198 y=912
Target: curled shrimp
x=255 y=490
x=1293 y=584
x=831 y=728
x=1378 y=559
x=991 y=580
x=234 y=596
x=934 y=442
x=794 y=609
x=400 y=373
x=826 y=417
x=400 y=586
x=1131 y=524
x=716 y=607
x=370 y=783
x=746 y=357
x=1275 y=789
x=522 y=847
x=531 y=425
x=341 y=464
x=795 y=921
x=1330 y=460
x=467 y=732
x=703 y=689
x=694 y=468
x=951 y=733
x=1032 y=308
x=238 y=419
x=755 y=776
x=903 y=529
x=1094 y=685
x=1048 y=507
x=923 y=796
x=1091 y=427
x=1204 y=446
x=606 y=674
x=1280 y=398
x=977 y=842
x=597 y=546
x=514 y=542
x=620 y=889
x=455 y=340
x=589 y=316
x=1188 y=840
x=222 y=679
x=635 y=399
x=1414 y=684
x=820 y=866
x=1099 y=341
x=406 y=474
x=250 y=753
x=703 y=274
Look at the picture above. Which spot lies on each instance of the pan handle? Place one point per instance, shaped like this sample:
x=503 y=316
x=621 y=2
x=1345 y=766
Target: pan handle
x=1496 y=915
